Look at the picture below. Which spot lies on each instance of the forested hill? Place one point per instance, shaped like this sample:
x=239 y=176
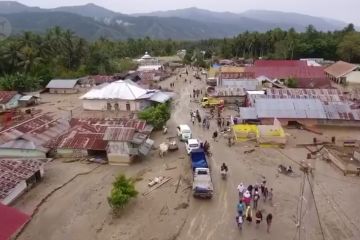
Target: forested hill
x=92 y=22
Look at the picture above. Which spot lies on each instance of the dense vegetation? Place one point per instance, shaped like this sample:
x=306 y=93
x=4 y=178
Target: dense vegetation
x=30 y=60
x=123 y=190
x=280 y=44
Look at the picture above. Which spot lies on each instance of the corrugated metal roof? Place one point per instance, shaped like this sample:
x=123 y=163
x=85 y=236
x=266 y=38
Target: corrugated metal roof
x=341 y=111
x=6 y=96
x=13 y=171
x=247 y=84
x=161 y=97
x=248 y=113
x=39 y=130
x=340 y=68
x=290 y=108
x=101 y=124
x=121 y=134
x=25 y=98
x=280 y=63
x=62 y=83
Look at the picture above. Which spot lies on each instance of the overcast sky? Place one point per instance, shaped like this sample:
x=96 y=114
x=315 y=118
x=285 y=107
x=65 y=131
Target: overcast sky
x=347 y=10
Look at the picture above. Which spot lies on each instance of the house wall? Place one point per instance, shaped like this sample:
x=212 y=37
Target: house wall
x=285 y=121
x=63 y=90
x=353 y=78
x=70 y=153
x=118 y=153
x=101 y=105
x=11 y=152
x=13 y=103
x=15 y=193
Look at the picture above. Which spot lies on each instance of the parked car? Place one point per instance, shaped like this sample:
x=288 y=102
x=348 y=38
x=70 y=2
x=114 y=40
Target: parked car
x=184 y=132
x=192 y=144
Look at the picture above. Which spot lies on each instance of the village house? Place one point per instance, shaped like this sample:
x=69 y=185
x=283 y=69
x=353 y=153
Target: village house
x=122 y=95
x=91 y=137
x=125 y=144
x=305 y=76
x=309 y=111
x=63 y=86
x=29 y=100
x=28 y=138
x=16 y=176
x=344 y=73
x=235 y=77
x=9 y=100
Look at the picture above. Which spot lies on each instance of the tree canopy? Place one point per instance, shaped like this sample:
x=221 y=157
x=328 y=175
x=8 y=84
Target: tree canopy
x=60 y=53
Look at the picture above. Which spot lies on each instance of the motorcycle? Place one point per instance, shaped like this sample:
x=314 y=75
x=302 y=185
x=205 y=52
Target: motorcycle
x=223 y=174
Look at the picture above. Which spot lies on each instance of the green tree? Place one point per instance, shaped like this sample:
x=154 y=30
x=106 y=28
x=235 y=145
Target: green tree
x=19 y=82
x=349 y=47
x=291 y=83
x=123 y=190
x=156 y=115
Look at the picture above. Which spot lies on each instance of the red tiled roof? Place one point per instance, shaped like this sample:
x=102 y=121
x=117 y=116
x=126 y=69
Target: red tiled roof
x=11 y=221
x=280 y=63
x=13 y=171
x=121 y=134
x=340 y=68
x=6 y=96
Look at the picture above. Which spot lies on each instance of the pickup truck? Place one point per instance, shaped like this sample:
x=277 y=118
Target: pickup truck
x=192 y=144
x=211 y=102
x=202 y=183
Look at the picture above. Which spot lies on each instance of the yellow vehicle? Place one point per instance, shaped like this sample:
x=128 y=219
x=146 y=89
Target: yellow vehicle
x=211 y=102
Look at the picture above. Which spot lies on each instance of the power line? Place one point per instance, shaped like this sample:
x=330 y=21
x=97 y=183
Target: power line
x=301 y=205
x=316 y=208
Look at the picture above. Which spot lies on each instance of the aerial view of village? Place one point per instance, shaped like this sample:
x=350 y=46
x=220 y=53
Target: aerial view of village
x=178 y=125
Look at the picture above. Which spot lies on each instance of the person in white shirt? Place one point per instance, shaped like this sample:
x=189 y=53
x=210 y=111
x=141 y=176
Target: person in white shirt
x=241 y=188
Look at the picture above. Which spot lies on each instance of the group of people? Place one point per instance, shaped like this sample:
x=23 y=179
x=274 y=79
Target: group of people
x=196 y=93
x=252 y=194
x=172 y=85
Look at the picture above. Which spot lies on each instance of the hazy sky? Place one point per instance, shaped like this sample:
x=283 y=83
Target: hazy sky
x=347 y=10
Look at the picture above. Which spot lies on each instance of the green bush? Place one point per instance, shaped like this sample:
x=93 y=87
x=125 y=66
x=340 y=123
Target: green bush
x=123 y=190
x=156 y=115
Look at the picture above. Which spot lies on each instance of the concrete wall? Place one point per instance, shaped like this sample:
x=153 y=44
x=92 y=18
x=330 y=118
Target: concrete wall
x=10 y=152
x=101 y=105
x=285 y=121
x=71 y=153
x=353 y=78
x=63 y=90
x=16 y=192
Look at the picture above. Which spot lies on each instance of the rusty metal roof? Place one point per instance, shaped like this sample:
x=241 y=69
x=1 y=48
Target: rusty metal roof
x=6 y=96
x=340 y=68
x=13 y=171
x=38 y=130
x=121 y=134
x=139 y=125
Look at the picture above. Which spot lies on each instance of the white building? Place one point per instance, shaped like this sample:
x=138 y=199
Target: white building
x=148 y=63
x=122 y=96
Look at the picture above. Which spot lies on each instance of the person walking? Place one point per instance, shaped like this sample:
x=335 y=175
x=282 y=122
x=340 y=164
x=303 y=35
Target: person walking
x=270 y=196
x=248 y=215
x=208 y=124
x=265 y=193
x=256 y=199
x=193 y=120
x=258 y=218
x=241 y=188
x=215 y=134
x=239 y=221
x=269 y=218
x=250 y=189
x=240 y=208
x=247 y=198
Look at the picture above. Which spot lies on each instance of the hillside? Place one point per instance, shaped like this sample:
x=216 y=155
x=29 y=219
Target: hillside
x=91 y=21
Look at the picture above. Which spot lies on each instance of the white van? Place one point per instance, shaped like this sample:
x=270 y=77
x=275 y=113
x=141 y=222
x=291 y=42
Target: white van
x=184 y=132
